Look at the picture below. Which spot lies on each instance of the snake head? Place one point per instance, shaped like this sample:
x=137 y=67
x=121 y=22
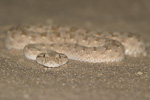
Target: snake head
x=52 y=59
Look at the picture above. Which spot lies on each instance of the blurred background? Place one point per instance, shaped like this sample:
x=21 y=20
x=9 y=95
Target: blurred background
x=105 y=14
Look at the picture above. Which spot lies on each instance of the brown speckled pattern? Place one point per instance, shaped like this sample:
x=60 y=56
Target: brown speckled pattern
x=76 y=43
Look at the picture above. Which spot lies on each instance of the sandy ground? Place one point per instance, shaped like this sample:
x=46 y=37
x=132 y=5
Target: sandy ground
x=22 y=79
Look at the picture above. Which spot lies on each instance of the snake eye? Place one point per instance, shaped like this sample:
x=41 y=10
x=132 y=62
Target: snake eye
x=44 y=55
x=59 y=56
x=41 y=55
